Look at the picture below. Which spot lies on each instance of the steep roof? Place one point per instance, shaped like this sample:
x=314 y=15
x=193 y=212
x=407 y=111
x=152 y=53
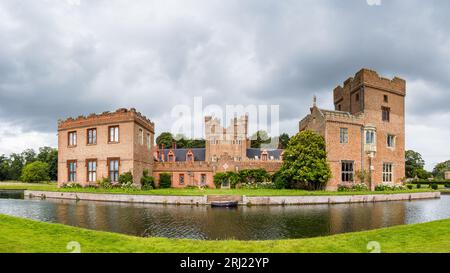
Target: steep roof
x=252 y=152
x=180 y=154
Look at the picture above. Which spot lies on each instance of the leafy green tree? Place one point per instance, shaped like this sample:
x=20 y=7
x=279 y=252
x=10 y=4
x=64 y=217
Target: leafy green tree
x=195 y=143
x=165 y=138
x=36 y=171
x=413 y=163
x=423 y=174
x=50 y=156
x=283 y=141
x=181 y=141
x=29 y=156
x=258 y=138
x=440 y=169
x=280 y=181
x=305 y=161
x=4 y=168
x=15 y=167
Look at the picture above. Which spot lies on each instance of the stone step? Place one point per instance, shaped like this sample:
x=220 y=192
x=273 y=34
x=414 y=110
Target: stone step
x=227 y=198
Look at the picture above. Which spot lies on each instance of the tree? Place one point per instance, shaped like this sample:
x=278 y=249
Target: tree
x=258 y=138
x=165 y=138
x=50 y=156
x=36 y=171
x=413 y=163
x=15 y=167
x=28 y=156
x=195 y=143
x=440 y=169
x=4 y=168
x=283 y=140
x=181 y=141
x=305 y=161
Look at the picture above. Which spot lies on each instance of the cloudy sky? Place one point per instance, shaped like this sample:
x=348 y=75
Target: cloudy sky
x=65 y=58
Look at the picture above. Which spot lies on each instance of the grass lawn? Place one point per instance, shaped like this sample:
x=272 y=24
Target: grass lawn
x=22 y=235
x=195 y=191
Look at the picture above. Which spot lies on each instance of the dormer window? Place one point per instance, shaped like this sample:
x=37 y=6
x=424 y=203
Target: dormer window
x=264 y=156
x=170 y=156
x=189 y=156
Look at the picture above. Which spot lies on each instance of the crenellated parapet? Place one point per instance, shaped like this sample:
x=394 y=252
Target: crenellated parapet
x=94 y=119
x=368 y=77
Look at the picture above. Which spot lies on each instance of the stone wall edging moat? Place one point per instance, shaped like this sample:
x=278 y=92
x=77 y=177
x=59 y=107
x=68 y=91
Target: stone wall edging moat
x=243 y=200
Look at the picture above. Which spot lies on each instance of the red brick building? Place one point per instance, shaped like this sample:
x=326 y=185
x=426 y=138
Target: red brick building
x=366 y=131
x=104 y=145
x=226 y=149
x=109 y=144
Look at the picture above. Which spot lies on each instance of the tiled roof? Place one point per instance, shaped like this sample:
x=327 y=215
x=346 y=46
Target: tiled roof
x=180 y=154
x=252 y=152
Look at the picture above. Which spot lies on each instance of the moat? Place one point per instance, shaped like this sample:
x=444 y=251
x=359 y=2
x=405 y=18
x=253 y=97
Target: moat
x=242 y=223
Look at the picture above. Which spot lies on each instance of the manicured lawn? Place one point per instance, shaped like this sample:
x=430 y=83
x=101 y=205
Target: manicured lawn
x=196 y=191
x=22 y=235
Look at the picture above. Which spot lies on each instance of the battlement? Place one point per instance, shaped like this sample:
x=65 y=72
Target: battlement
x=120 y=115
x=371 y=78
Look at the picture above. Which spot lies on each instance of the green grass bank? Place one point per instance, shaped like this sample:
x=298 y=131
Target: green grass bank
x=22 y=235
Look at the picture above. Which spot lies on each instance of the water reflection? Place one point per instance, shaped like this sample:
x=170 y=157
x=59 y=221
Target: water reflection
x=243 y=223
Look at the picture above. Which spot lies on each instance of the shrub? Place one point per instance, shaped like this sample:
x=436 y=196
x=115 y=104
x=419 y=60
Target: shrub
x=234 y=179
x=254 y=176
x=71 y=185
x=418 y=186
x=353 y=187
x=409 y=186
x=128 y=186
x=447 y=185
x=147 y=182
x=220 y=178
x=126 y=178
x=389 y=187
x=37 y=171
x=434 y=186
x=104 y=183
x=262 y=185
x=165 y=180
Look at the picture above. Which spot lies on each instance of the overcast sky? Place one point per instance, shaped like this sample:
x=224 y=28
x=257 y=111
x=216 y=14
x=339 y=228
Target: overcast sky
x=67 y=58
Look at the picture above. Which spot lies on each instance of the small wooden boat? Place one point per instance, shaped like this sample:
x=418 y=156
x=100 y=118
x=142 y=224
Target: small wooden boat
x=224 y=204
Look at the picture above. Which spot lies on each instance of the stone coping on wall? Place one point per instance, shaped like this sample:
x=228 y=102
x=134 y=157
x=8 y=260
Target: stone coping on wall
x=246 y=200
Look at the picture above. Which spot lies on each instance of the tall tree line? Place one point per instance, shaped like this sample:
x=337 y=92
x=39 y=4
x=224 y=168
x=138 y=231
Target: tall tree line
x=11 y=167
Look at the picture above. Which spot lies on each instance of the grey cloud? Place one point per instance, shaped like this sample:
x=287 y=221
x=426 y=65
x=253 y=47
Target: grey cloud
x=67 y=60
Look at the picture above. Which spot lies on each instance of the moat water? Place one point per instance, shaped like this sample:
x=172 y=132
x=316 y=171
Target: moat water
x=243 y=223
